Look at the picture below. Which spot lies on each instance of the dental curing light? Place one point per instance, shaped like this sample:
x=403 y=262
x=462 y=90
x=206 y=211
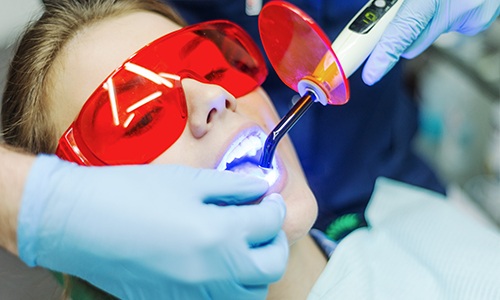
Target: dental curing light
x=306 y=61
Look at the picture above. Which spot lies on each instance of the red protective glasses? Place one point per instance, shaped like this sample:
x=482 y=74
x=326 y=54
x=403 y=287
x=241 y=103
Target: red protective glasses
x=140 y=110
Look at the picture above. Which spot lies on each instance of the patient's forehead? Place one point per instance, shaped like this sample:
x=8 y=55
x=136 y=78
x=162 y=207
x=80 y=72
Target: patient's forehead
x=92 y=54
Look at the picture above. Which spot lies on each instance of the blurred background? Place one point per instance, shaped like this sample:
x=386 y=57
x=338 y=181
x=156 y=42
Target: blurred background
x=456 y=83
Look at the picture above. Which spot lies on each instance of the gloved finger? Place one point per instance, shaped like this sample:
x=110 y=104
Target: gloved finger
x=411 y=19
x=224 y=187
x=269 y=262
x=262 y=222
x=426 y=38
x=436 y=26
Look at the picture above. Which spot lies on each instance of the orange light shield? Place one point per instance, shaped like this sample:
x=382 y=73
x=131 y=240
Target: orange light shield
x=298 y=49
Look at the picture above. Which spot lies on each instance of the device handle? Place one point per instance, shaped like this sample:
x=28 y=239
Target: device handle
x=359 y=37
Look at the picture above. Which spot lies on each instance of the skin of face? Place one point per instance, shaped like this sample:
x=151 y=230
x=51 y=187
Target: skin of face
x=215 y=117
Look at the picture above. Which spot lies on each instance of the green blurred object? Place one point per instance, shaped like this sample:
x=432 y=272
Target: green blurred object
x=344 y=225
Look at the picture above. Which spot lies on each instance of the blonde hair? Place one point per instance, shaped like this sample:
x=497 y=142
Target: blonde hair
x=25 y=119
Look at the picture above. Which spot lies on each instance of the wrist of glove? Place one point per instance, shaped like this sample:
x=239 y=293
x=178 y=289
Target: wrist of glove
x=121 y=227
x=419 y=23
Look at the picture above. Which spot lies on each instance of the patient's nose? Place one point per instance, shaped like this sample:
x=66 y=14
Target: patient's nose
x=207 y=103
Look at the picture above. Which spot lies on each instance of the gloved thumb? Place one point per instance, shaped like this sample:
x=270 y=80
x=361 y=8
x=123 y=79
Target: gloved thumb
x=227 y=188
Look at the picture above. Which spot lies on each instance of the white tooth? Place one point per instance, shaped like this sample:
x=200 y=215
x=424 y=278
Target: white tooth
x=229 y=158
x=246 y=147
x=246 y=144
x=257 y=144
x=239 y=151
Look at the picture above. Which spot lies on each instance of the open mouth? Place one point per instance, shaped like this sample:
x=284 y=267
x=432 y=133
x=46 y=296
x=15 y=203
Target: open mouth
x=243 y=156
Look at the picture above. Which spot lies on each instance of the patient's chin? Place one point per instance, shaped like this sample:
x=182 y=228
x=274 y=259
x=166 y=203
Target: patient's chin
x=302 y=211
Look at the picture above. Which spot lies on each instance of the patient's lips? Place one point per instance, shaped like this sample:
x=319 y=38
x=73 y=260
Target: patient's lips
x=243 y=156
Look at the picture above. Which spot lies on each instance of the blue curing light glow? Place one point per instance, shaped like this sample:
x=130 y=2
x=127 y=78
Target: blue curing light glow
x=250 y=167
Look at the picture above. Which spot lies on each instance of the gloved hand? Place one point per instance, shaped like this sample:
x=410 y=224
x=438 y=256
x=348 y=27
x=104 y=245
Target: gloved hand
x=419 y=23
x=150 y=232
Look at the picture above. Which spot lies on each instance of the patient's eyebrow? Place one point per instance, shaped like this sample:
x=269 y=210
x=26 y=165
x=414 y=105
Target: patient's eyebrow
x=189 y=47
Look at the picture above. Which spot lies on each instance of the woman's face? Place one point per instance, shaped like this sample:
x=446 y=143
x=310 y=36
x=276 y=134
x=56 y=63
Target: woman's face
x=217 y=125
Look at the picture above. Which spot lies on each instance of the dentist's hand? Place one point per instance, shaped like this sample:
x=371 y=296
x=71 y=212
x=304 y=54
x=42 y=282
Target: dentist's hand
x=150 y=232
x=419 y=23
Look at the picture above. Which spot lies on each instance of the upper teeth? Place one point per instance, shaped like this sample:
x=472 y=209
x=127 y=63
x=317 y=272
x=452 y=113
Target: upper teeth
x=243 y=157
x=248 y=146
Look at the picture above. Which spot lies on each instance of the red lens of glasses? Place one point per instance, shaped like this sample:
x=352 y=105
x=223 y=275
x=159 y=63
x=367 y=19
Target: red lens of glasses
x=140 y=109
x=131 y=118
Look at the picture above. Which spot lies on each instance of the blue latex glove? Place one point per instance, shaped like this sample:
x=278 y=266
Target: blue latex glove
x=419 y=23
x=149 y=232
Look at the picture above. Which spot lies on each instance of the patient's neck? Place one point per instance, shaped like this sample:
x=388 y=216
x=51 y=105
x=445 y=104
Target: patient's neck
x=305 y=264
